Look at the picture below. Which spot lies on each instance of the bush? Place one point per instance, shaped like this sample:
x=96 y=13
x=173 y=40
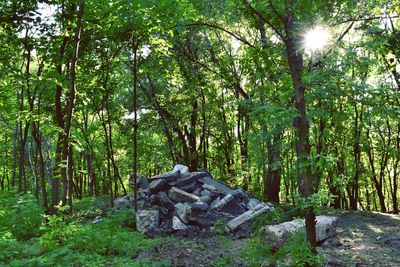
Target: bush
x=256 y=253
x=21 y=214
x=300 y=251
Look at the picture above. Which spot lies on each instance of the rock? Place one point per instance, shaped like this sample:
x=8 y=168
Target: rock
x=177 y=224
x=178 y=195
x=207 y=219
x=209 y=187
x=142 y=194
x=252 y=203
x=157 y=185
x=247 y=216
x=167 y=224
x=325 y=227
x=214 y=203
x=199 y=206
x=188 y=179
x=233 y=207
x=240 y=194
x=122 y=202
x=189 y=187
x=169 y=176
x=181 y=210
x=147 y=220
x=142 y=182
x=164 y=214
x=97 y=220
x=197 y=191
x=222 y=202
x=183 y=170
x=220 y=186
x=205 y=193
x=208 y=199
x=143 y=204
x=165 y=201
x=277 y=235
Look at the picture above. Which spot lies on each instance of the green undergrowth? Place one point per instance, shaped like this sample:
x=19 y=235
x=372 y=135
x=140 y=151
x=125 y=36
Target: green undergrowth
x=28 y=238
x=296 y=251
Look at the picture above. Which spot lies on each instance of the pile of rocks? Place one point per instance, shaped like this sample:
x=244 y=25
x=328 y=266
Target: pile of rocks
x=182 y=200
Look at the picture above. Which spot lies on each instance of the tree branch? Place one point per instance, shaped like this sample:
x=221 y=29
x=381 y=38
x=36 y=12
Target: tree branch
x=263 y=18
x=237 y=37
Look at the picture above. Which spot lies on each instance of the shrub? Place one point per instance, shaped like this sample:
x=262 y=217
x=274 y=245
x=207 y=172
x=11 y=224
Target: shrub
x=21 y=214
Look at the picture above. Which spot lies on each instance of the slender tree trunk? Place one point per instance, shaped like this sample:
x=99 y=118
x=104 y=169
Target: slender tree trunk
x=305 y=182
x=14 y=169
x=135 y=120
x=71 y=106
x=377 y=181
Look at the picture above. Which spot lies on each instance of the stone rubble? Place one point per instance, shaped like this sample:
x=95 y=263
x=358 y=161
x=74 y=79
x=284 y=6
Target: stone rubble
x=180 y=200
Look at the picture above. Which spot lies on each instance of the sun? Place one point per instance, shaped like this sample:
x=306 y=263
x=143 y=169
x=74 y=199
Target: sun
x=315 y=39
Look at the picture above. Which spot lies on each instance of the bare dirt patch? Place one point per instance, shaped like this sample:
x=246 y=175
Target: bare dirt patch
x=364 y=239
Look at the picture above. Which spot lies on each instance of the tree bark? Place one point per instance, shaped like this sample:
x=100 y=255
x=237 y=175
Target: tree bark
x=305 y=182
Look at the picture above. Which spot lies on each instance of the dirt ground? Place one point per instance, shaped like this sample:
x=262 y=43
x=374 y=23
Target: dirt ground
x=364 y=239
x=361 y=239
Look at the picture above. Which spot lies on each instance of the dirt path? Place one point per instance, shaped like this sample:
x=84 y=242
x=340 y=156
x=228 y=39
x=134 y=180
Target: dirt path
x=364 y=239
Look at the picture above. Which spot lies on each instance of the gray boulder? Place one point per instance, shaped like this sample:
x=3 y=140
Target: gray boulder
x=183 y=170
x=147 y=220
x=177 y=224
x=122 y=202
x=181 y=210
x=157 y=185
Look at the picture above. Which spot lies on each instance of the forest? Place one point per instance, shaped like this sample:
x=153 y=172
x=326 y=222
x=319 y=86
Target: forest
x=295 y=102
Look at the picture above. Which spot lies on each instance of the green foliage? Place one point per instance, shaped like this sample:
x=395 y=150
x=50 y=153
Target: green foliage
x=317 y=201
x=20 y=214
x=65 y=240
x=220 y=228
x=274 y=216
x=56 y=229
x=257 y=253
x=295 y=252
x=300 y=252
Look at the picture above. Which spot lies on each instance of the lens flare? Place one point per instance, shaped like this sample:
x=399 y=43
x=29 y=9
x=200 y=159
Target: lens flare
x=315 y=39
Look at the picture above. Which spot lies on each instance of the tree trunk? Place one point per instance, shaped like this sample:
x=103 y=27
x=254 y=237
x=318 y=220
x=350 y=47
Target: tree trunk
x=71 y=106
x=305 y=182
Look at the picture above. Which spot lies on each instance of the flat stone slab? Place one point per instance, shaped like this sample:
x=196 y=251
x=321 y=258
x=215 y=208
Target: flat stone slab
x=207 y=219
x=247 y=216
x=221 y=187
x=169 y=176
x=178 y=195
x=253 y=203
x=277 y=235
x=188 y=179
x=157 y=185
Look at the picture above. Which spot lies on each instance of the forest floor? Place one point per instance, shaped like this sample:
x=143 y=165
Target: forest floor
x=26 y=239
x=361 y=239
x=364 y=239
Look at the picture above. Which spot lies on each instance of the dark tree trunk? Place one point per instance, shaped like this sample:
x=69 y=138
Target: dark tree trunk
x=378 y=182
x=305 y=182
x=272 y=180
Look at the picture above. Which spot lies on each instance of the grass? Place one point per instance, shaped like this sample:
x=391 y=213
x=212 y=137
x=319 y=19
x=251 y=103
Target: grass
x=27 y=238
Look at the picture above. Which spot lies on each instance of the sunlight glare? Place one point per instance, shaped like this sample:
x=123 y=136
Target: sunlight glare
x=315 y=39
